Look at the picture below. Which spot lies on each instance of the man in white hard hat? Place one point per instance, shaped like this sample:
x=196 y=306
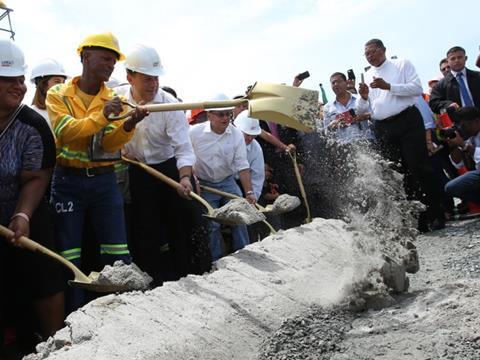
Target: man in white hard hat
x=45 y=74
x=88 y=147
x=250 y=128
x=160 y=219
x=27 y=157
x=221 y=154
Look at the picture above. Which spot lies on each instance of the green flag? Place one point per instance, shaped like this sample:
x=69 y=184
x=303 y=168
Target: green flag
x=324 y=96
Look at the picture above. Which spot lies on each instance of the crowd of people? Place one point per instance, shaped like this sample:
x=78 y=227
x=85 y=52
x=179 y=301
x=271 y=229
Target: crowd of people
x=63 y=182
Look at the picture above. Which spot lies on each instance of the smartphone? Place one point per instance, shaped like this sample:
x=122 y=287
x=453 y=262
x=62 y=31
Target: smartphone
x=303 y=75
x=350 y=74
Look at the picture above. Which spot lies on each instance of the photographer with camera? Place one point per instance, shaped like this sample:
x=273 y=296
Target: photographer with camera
x=466 y=186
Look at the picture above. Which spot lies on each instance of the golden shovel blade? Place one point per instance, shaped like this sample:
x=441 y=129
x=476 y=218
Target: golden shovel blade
x=286 y=105
x=92 y=285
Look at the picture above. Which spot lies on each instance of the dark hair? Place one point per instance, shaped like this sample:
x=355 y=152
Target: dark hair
x=468 y=113
x=169 y=90
x=444 y=60
x=342 y=75
x=41 y=92
x=376 y=42
x=455 y=49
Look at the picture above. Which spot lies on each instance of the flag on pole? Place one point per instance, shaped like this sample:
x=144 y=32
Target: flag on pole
x=324 y=96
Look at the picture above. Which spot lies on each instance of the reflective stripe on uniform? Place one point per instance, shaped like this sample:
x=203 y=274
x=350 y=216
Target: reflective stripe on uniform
x=109 y=128
x=114 y=249
x=61 y=124
x=68 y=154
x=72 y=254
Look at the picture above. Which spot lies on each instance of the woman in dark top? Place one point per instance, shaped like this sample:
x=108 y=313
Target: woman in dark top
x=27 y=157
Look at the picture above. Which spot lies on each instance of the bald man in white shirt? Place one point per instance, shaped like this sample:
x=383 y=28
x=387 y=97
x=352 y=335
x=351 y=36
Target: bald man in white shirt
x=394 y=87
x=221 y=153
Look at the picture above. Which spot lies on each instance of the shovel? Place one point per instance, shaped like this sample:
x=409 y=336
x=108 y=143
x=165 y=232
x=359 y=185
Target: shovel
x=172 y=183
x=300 y=185
x=285 y=105
x=80 y=279
x=233 y=196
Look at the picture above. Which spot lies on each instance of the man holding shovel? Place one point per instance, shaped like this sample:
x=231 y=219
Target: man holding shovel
x=88 y=146
x=162 y=222
x=221 y=153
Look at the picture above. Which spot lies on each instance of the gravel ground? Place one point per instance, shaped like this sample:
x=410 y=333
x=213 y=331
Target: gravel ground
x=436 y=319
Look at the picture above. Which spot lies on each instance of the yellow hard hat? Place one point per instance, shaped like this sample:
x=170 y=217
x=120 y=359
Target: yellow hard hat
x=105 y=40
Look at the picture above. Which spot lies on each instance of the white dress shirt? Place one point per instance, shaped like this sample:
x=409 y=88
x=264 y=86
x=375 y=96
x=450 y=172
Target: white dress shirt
x=257 y=167
x=405 y=87
x=44 y=113
x=218 y=156
x=161 y=135
x=356 y=131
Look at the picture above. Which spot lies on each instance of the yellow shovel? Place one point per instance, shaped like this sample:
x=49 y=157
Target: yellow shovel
x=285 y=105
x=80 y=279
x=233 y=196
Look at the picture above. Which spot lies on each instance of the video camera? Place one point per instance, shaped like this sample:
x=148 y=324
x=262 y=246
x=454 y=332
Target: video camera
x=448 y=124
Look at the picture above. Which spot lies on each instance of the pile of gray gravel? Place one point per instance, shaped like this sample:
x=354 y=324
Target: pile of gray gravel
x=314 y=335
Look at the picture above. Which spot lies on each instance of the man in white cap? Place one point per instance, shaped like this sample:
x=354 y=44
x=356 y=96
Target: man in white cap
x=221 y=153
x=250 y=128
x=160 y=219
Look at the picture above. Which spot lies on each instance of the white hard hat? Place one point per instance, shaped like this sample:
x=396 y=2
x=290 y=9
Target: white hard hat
x=12 y=61
x=248 y=125
x=47 y=67
x=220 y=97
x=145 y=60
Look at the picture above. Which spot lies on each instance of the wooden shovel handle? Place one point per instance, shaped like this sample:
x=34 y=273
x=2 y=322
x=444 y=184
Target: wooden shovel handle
x=293 y=156
x=36 y=247
x=169 y=181
x=182 y=106
x=228 y=195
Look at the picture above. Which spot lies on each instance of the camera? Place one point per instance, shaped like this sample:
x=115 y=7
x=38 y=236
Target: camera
x=449 y=133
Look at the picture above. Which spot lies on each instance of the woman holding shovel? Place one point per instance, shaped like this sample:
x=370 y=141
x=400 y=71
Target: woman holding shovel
x=27 y=157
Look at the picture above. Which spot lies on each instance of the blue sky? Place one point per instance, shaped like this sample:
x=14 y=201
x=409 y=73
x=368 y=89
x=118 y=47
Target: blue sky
x=215 y=46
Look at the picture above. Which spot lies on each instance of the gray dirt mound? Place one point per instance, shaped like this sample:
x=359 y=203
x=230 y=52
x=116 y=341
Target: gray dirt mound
x=315 y=335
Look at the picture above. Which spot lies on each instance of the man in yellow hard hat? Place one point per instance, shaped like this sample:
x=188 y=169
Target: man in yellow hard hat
x=88 y=146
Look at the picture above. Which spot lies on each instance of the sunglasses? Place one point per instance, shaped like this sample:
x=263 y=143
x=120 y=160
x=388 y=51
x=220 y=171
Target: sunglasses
x=227 y=114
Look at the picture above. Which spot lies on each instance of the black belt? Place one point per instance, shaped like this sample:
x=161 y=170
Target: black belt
x=396 y=116
x=88 y=172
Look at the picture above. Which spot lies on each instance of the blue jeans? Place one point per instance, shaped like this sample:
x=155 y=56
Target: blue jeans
x=239 y=232
x=465 y=187
x=74 y=198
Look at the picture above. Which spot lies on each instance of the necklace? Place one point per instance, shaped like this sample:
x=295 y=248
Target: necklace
x=10 y=121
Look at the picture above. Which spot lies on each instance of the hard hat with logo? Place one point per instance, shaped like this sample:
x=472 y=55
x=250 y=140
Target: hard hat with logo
x=145 y=60
x=47 y=67
x=220 y=97
x=248 y=125
x=105 y=40
x=12 y=60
